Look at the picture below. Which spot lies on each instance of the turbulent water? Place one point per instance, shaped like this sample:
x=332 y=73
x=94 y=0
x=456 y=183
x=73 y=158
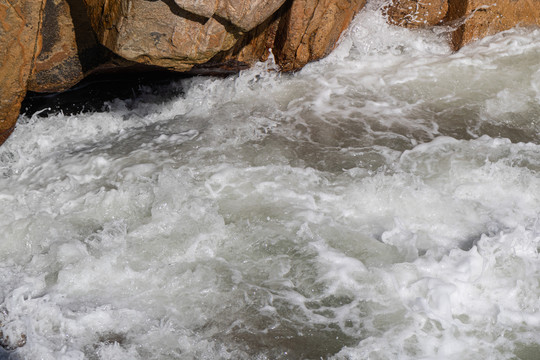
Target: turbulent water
x=383 y=203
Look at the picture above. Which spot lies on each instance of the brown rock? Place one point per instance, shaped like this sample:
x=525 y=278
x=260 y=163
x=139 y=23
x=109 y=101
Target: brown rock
x=247 y=14
x=481 y=18
x=158 y=32
x=19 y=27
x=311 y=29
x=244 y=14
x=69 y=48
x=416 y=13
x=178 y=34
x=205 y=8
x=473 y=19
x=250 y=48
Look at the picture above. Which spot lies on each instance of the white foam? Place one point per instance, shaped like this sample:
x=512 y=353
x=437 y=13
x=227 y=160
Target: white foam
x=381 y=203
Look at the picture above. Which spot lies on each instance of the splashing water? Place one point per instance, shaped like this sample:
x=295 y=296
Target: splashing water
x=383 y=203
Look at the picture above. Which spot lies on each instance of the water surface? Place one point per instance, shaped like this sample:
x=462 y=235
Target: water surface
x=383 y=203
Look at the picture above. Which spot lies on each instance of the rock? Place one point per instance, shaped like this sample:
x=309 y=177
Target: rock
x=472 y=19
x=244 y=14
x=205 y=8
x=179 y=34
x=247 y=14
x=50 y=45
x=482 y=18
x=310 y=30
x=416 y=13
x=63 y=57
x=158 y=32
x=7 y=344
x=20 y=25
x=299 y=32
x=250 y=48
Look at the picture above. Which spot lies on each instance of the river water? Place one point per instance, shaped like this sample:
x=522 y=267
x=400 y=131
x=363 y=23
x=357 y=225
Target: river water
x=383 y=203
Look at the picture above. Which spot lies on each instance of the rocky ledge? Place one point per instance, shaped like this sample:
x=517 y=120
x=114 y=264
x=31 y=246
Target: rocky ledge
x=51 y=45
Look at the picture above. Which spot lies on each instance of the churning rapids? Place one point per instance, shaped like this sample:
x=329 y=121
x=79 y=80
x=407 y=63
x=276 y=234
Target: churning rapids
x=383 y=203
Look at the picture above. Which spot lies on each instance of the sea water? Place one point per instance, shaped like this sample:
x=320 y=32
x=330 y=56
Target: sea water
x=383 y=203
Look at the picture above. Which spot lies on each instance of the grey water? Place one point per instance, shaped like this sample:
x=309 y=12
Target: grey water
x=382 y=203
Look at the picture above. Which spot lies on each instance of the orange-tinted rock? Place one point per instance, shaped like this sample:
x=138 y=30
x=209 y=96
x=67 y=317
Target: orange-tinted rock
x=158 y=32
x=311 y=29
x=69 y=48
x=473 y=19
x=19 y=28
x=250 y=48
x=178 y=34
x=416 y=13
x=482 y=18
x=245 y=14
x=56 y=66
x=205 y=8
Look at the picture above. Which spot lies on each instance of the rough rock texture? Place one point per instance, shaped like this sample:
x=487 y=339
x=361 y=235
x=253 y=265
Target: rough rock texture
x=19 y=27
x=50 y=45
x=179 y=34
x=247 y=14
x=416 y=13
x=158 y=32
x=472 y=19
x=488 y=17
x=251 y=47
x=244 y=14
x=56 y=66
x=67 y=52
x=310 y=29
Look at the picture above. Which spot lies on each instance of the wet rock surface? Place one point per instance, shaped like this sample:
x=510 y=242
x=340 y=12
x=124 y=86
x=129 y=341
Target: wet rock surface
x=416 y=13
x=470 y=19
x=310 y=29
x=51 y=45
x=481 y=18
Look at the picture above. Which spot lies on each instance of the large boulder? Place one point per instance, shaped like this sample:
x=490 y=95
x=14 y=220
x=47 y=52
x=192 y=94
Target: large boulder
x=416 y=13
x=50 y=45
x=251 y=47
x=481 y=18
x=470 y=19
x=310 y=30
x=181 y=34
x=63 y=57
x=244 y=14
x=20 y=24
x=175 y=34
